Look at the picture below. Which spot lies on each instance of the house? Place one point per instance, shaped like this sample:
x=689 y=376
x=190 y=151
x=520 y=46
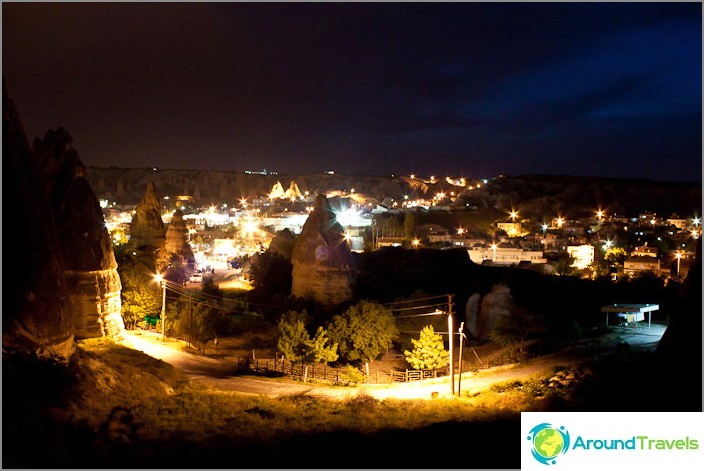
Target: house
x=583 y=255
x=634 y=266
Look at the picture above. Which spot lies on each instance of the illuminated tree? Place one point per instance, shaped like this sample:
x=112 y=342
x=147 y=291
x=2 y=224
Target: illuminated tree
x=363 y=332
x=141 y=296
x=297 y=346
x=428 y=351
x=616 y=256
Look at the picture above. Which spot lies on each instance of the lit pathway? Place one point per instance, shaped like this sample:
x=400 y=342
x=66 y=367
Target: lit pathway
x=216 y=373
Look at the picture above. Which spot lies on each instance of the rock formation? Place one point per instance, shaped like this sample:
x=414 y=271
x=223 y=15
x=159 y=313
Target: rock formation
x=282 y=244
x=494 y=308
x=322 y=258
x=36 y=315
x=89 y=265
x=472 y=314
x=177 y=238
x=277 y=191
x=677 y=358
x=293 y=193
x=147 y=230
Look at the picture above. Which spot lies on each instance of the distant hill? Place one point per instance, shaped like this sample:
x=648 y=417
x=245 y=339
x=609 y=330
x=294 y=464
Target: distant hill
x=533 y=195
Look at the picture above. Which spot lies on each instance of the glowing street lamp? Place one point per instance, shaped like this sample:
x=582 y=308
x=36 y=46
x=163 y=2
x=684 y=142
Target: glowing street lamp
x=678 y=256
x=461 y=231
x=560 y=222
x=514 y=215
x=160 y=279
x=608 y=245
x=600 y=215
x=545 y=228
x=415 y=243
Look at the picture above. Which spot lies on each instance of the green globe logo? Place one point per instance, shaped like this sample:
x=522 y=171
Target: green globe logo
x=548 y=442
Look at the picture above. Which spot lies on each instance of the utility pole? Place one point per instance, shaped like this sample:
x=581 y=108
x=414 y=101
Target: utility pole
x=190 y=313
x=163 y=311
x=459 y=380
x=450 y=333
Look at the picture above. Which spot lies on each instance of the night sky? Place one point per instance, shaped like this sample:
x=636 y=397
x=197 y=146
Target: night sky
x=462 y=89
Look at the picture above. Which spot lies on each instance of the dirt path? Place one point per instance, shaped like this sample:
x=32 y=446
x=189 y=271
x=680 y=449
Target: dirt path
x=216 y=371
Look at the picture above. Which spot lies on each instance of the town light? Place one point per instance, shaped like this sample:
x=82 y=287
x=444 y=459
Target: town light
x=416 y=243
x=514 y=215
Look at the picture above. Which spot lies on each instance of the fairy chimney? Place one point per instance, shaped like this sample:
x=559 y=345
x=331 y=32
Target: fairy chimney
x=322 y=258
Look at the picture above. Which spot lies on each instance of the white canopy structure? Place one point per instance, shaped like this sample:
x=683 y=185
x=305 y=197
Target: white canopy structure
x=632 y=313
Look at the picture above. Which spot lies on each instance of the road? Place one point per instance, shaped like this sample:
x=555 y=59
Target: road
x=216 y=372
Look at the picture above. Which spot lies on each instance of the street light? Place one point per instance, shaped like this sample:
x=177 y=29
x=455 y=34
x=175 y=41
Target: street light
x=514 y=215
x=160 y=279
x=678 y=256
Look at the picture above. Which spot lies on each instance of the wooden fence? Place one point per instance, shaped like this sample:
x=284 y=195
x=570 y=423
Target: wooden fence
x=281 y=367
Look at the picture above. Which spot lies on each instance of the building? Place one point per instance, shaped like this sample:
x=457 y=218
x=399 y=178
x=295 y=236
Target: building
x=583 y=255
x=645 y=251
x=634 y=266
x=504 y=255
x=512 y=229
x=678 y=222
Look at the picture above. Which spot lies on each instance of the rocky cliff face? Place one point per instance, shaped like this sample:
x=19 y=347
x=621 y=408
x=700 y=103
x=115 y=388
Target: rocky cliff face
x=322 y=258
x=90 y=268
x=37 y=315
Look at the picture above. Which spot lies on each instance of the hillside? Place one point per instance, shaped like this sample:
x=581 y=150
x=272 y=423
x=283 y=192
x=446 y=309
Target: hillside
x=533 y=194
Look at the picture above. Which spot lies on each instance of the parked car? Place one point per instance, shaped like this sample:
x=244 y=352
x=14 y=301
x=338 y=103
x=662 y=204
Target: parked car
x=196 y=278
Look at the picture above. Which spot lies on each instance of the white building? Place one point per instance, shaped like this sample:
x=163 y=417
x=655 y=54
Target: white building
x=505 y=255
x=583 y=255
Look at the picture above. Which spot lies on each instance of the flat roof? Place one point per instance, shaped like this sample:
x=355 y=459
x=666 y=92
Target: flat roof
x=630 y=308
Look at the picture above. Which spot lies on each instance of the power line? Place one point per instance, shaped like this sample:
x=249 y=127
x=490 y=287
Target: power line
x=415 y=300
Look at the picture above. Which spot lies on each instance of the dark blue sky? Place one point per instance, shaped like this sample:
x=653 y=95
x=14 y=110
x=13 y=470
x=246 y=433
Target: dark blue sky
x=464 y=89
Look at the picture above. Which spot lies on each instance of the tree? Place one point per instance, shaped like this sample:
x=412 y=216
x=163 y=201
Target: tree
x=516 y=327
x=197 y=320
x=141 y=296
x=563 y=264
x=616 y=256
x=363 y=332
x=270 y=274
x=296 y=345
x=409 y=228
x=428 y=351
